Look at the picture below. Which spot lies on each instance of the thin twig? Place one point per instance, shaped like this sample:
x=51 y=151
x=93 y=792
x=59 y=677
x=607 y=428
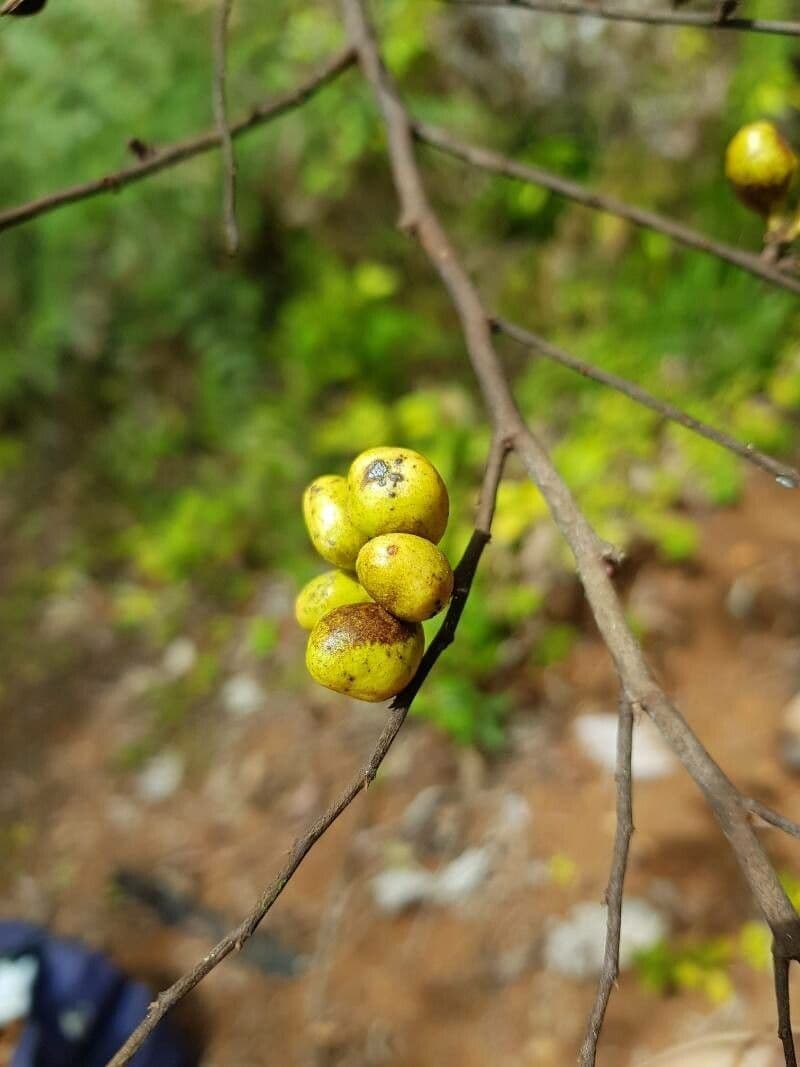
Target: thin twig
x=781 y=969
x=787 y=475
x=774 y=818
x=179 y=151
x=616 y=884
x=707 y=21
x=398 y=709
x=485 y=159
x=219 y=100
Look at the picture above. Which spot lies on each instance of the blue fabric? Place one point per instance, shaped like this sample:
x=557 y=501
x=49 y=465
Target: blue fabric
x=83 y=1007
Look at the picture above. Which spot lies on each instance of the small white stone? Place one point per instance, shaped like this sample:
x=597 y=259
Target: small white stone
x=575 y=946
x=180 y=656
x=161 y=776
x=596 y=733
x=462 y=876
x=17 y=979
x=400 y=888
x=242 y=695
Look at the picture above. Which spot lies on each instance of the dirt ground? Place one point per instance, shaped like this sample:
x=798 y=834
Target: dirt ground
x=460 y=983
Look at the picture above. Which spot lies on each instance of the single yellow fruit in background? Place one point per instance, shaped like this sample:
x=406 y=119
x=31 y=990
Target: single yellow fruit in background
x=405 y=574
x=363 y=651
x=322 y=594
x=332 y=533
x=396 y=490
x=759 y=164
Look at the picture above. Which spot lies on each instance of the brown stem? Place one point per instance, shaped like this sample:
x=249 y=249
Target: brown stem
x=710 y=21
x=616 y=885
x=787 y=476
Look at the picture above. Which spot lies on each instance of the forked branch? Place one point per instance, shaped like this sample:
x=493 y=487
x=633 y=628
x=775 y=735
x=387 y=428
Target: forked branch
x=169 y=155
x=638 y=686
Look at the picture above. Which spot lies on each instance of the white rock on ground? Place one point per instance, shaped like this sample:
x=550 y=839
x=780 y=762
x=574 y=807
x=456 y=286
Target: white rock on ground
x=399 y=888
x=460 y=878
x=160 y=777
x=242 y=695
x=575 y=946
x=402 y=887
x=596 y=733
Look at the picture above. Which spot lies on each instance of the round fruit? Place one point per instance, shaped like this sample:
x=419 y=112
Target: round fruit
x=759 y=165
x=396 y=490
x=324 y=593
x=332 y=533
x=363 y=651
x=405 y=574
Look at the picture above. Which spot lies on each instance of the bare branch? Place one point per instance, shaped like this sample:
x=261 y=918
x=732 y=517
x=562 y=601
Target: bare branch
x=616 y=884
x=707 y=21
x=781 y=967
x=398 y=709
x=171 y=154
x=788 y=476
x=638 y=685
x=774 y=818
x=487 y=160
x=219 y=100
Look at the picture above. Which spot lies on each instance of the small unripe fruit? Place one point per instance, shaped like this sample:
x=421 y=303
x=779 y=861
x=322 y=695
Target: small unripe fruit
x=322 y=594
x=332 y=533
x=405 y=574
x=759 y=164
x=396 y=490
x=365 y=652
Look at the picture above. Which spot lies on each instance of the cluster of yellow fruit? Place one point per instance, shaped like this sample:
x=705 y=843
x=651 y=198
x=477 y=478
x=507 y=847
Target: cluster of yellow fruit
x=384 y=521
x=760 y=166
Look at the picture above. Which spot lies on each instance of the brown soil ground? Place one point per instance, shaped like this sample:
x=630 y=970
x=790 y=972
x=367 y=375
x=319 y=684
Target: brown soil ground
x=463 y=984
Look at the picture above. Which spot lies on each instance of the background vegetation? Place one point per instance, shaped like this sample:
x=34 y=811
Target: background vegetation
x=162 y=408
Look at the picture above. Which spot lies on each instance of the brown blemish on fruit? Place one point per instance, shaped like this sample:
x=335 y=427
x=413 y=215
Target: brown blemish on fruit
x=392 y=550
x=364 y=624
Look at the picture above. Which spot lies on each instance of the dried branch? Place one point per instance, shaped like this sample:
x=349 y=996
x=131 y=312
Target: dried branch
x=781 y=968
x=219 y=101
x=616 y=884
x=788 y=476
x=179 y=151
x=398 y=709
x=774 y=818
x=487 y=160
x=638 y=686
x=703 y=20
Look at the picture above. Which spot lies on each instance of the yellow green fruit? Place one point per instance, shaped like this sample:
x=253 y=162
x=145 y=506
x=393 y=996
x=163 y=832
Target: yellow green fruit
x=322 y=594
x=759 y=165
x=396 y=490
x=405 y=574
x=332 y=533
x=365 y=652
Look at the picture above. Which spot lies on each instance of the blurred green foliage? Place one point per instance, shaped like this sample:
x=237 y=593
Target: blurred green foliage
x=170 y=405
